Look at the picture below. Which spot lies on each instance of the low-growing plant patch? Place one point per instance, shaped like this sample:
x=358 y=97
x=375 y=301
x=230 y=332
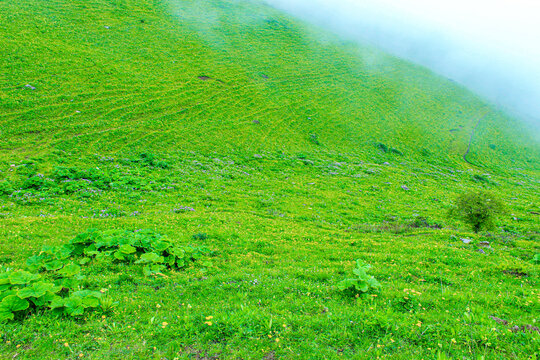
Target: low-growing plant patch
x=397 y=227
x=53 y=279
x=361 y=283
x=5 y=187
x=408 y=302
x=22 y=293
x=149 y=159
x=183 y=209
x=314 y=139
x=387 y=149
x=200 y=236
x=144 y=174
x=156 y=252
x=480 y=178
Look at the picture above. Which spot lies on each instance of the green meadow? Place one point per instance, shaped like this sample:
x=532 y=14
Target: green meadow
x=195 y=179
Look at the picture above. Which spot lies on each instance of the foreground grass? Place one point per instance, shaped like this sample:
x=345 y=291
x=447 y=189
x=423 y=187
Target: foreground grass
x=285 y=232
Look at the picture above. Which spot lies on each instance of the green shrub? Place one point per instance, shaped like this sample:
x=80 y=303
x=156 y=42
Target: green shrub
x=480 y=179
x=200 y=236
x=35 y=182
x=150 y=160
x=478 y=209
x=362 y=283
x=314 y=139
x=5 y=187
x=64 y=173
x=387 y=149
x=27 y=169
x=382 y=147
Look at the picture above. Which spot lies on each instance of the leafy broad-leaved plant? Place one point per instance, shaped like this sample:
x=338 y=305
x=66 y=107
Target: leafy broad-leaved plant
x=361 y=283
x=53 y=280
x=22 y=292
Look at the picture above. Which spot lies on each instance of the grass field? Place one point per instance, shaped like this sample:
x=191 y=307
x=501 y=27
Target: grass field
x=288 y=154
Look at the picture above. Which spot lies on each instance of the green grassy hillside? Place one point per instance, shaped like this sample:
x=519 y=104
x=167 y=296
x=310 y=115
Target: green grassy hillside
x=116 y=75
x=284 y=151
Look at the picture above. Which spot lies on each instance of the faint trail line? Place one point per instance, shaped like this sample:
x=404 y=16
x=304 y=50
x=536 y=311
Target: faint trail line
x=472 y=136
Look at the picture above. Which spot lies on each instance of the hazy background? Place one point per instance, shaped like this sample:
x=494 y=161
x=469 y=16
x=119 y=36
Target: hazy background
x=492 y=47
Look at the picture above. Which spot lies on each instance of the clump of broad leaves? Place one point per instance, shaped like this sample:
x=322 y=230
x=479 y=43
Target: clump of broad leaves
x=22 y=292
x=154 y=251
x=54 y=275
x=361 y=283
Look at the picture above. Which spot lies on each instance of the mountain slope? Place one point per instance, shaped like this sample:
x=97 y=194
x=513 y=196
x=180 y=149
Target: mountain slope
x=115 y=75
x=271 y=156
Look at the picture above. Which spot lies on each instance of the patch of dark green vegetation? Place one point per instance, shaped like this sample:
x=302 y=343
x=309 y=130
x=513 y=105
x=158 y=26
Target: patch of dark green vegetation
x=387 y=149
x=62 y=291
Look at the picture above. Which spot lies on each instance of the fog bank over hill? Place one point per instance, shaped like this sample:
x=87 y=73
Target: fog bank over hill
x=491 y=47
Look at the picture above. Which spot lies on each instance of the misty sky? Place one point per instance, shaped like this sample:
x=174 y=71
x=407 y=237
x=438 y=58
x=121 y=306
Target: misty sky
x=492 y=47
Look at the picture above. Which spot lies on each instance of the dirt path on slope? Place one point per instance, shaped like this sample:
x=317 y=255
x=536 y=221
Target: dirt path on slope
x=472 y=136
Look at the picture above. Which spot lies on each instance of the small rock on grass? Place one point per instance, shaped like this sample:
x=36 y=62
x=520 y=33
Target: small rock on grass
x=30 y=87
x=498 y=320
x=483 y=243
x=466 y=241
x=404 y=187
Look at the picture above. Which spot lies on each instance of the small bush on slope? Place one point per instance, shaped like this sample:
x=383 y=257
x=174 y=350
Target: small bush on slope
x=478 y=209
